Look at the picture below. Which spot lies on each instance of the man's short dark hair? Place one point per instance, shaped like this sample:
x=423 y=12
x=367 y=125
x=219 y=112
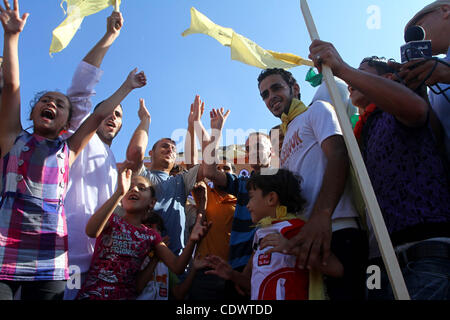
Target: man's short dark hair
x=380 y=64
x=156 y=143
x=286 y=75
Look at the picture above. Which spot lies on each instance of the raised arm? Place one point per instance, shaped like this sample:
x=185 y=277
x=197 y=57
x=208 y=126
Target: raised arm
x=88 y=74
x=392 y=97
x=113 y=25
x=190 y=149
x=210 y=171
x=82 y=136
x=99 y=219
x=10 y=125
x=221 y=268
x=139 y=140
x=177 y=264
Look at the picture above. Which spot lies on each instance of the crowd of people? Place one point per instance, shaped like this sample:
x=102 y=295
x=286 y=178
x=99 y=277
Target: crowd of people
x=74 y=224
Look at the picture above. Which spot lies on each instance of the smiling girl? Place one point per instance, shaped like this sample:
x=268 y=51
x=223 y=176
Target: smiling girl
x=123 y=243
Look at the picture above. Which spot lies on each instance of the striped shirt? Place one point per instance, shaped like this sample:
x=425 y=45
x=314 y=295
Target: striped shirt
x=242 y=230
x=33 y=232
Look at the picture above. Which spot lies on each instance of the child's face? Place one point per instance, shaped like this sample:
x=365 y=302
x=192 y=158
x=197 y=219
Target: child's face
x=257 y=205
x=50 y=114
x=139 y=197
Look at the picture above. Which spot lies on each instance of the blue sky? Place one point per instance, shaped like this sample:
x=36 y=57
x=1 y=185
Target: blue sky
x=179 y=67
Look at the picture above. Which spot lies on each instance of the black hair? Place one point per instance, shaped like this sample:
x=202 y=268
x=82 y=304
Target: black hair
x=284 y=183
x=380 y=64
x=40 y=94
x=156 y=143
x=154 y=218
x=98 y=105
x=286 y=75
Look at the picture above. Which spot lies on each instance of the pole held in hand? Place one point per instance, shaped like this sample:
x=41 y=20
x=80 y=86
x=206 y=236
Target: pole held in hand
x=373 y=209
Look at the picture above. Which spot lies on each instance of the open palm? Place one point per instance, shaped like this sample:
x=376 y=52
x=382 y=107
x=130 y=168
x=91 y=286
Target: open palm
x=10 y=18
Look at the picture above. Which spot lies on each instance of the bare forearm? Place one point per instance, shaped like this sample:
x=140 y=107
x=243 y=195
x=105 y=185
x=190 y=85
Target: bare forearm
x=388 y=95
x=180 y=290
x=209 y=160
x=98 y=221
x=242 y=280
x=334 y=177
x=190 y=147
x=10 y=66
x=98 y=52
x=138 y=144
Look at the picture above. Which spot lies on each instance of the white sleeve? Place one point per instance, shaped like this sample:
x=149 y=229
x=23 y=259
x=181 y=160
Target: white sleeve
x=323 y=121
x=81 y=90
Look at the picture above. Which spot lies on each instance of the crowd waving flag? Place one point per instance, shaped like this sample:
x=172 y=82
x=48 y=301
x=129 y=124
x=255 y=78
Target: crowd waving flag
x=76 y=11
x=243 y=49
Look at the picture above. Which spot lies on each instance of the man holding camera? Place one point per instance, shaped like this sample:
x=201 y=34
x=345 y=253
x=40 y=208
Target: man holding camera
x=434 y=73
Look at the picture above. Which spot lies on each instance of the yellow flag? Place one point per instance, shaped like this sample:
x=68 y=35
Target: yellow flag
x=243 y=49
x=76 y=11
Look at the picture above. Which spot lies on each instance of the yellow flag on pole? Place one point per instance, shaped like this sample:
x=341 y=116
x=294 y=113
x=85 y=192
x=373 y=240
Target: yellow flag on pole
x=243 y=49
x=76 y=11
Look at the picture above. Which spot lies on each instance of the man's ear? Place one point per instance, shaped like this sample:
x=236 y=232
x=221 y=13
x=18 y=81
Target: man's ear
x=296 y=90
x=152 y=203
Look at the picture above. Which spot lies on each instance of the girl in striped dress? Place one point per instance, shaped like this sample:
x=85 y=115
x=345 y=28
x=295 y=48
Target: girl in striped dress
x=34 y=170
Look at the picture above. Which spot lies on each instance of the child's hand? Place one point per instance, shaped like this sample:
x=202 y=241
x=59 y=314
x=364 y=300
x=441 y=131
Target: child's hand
x=166 y=240
x=197 y=109
x=218 y=118
x=200 y=229
x=143 y=112
x=11 y=20
x=124 y=181
x=199 y=263
x=199 y=192
x=219 y=267
x=136 y=80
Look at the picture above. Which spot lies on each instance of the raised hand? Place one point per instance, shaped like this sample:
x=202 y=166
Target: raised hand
x=124 y=181
x=218 y=118
x=219 y=267
x=322 y=52
x=136 y=80
x=200 y=229
x=199 y=262
x=11 y=20
x=200 y=194
x=143 y=111
x=114 y=23
x=197 y=109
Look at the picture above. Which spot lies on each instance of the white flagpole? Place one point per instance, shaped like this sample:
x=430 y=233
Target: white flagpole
x=116 y=6
x=374 y=212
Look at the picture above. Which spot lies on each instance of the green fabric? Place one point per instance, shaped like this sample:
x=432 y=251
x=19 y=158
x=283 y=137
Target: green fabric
x=313 y=78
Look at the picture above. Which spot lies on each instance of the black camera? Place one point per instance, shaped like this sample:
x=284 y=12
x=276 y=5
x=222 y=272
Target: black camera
x=416 y=46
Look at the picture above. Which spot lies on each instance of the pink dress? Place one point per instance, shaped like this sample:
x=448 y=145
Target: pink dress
x=118 y=256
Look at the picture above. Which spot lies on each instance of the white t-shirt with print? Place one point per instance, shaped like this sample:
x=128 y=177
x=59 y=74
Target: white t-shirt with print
x=302 y=154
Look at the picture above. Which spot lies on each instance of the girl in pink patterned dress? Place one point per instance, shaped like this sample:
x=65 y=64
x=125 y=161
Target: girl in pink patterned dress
x=123 y=243
x=34 y=172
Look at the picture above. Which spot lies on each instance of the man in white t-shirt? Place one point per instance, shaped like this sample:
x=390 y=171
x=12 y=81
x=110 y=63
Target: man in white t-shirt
x=314 y=148
x=93 y=176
